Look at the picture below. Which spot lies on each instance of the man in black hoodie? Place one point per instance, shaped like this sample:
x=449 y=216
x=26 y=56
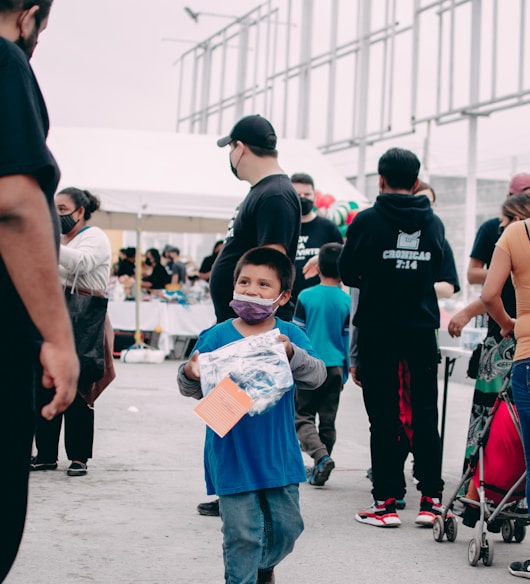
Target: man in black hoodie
x=392 y=254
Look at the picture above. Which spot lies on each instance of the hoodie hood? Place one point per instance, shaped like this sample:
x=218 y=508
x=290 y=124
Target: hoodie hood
x=408 y=212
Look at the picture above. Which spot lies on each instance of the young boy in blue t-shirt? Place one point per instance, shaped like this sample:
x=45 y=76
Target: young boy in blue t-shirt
x=324 y=312
x=256 y=467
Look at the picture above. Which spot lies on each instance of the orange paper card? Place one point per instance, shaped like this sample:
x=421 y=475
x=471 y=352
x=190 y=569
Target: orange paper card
x=224 y=406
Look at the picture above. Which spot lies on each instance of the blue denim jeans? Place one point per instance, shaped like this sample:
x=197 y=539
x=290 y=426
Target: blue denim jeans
x=259 y=530
x=521 y=397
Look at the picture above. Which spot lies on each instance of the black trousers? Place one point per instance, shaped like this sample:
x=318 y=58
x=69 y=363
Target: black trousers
x=16 y=436
x=380 y=351
x=322 y=402
x=78 y=429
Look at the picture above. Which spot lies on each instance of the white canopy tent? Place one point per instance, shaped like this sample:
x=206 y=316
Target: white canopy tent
x=178 y=182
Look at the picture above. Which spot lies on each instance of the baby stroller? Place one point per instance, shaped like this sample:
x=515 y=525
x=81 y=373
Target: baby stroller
x=496 y=475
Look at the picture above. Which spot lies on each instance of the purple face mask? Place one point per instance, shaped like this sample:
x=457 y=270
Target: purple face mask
x=252 y=309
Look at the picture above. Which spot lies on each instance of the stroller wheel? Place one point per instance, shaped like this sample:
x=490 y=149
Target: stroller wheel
x=438 y=529
x=519 y=532
x=473 y=551
x=451 y=528
x=507 y=530
x=487 y=553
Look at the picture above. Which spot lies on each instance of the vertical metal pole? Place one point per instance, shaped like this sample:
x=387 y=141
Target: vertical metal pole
x=205 y=89
x=361 y=93
x=179 y=94
x=257 y=44
x=285 y=115
x=415 y=60
x=332 y=80
x=471 y=182
x=270 y=85
x=304 y=88
x=426 y=153
x=193 y=104
x=242 y=70
x=522 y=35
x=222 y=85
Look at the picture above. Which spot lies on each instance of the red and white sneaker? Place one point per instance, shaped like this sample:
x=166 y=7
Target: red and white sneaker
x=380 y=514
x=430 y=508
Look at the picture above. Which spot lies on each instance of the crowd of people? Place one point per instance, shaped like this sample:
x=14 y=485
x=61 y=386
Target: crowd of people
x=282 y=267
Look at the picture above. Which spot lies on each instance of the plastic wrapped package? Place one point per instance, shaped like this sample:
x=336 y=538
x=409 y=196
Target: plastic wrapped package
x=258 y=364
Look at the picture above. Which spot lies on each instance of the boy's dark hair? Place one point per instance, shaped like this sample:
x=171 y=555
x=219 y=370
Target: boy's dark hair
x=130 y=252
x=328 y=257
x=399 y=167
x=274 y=259
x=303 y=178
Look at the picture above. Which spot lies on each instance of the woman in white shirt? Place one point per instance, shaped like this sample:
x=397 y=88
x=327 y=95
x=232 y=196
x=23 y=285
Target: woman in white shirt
x=85 y=250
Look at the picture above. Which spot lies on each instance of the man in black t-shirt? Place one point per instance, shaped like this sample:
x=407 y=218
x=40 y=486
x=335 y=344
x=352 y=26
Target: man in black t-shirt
x=35 y=321
x=269 y=214
x=315 y=231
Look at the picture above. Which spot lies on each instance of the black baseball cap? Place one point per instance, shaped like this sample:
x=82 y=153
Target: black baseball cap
x=252 y=130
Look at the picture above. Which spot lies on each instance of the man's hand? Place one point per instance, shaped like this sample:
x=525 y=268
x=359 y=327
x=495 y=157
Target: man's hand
x=353 y=373
x=457 y=323
x=310 y=269
x=61 y=372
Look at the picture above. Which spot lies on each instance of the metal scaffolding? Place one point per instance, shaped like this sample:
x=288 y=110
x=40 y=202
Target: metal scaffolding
x=350 y=73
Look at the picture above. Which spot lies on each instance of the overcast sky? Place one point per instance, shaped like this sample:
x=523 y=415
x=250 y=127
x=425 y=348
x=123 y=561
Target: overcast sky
x=103 y=63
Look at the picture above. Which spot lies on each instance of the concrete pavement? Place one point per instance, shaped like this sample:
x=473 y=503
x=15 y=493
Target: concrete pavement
x=133 y=519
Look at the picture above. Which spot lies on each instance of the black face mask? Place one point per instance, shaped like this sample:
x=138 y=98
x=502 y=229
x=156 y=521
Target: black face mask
x=67 y=223
x=307 y=205
x=148 y=262
x=232 y=167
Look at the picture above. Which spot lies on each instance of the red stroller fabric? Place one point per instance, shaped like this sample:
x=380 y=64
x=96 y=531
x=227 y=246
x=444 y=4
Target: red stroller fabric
x=504 y=460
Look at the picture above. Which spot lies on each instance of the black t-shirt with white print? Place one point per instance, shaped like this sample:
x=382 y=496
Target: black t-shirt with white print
x=269 y=214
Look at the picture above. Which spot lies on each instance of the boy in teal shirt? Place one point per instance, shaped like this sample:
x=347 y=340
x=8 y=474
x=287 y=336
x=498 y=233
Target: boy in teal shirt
x=324 y=312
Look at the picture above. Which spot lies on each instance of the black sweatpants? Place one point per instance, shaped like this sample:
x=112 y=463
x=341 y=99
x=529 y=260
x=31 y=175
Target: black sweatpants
x=380 y=351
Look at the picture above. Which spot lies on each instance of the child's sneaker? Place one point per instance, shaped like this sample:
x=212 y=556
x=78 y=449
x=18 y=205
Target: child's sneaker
x=521 y=569
x=380 y=514
x=320 y=473
x=430 y=508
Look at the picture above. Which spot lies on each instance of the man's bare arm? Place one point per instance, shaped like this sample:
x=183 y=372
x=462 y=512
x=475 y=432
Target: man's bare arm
x=28 y=252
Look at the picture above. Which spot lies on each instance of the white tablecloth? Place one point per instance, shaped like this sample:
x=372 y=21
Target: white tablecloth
x=174 y=319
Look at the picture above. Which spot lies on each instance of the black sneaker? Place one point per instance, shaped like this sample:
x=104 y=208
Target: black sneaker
x=77 y=469
x=320 y=472
x=36 y=464
x=521 y=569
x=266 y=577
x=209 y=509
